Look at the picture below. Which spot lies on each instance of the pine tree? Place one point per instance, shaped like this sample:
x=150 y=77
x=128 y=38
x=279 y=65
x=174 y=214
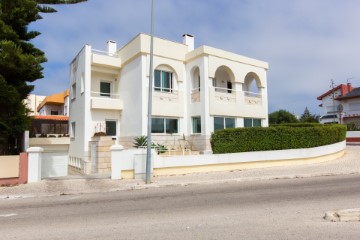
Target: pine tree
x=20 y=63
x=308 y=117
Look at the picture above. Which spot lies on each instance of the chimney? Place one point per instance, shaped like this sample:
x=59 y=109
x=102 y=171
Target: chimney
x=188 y=40
x=111 y=47
x=349 y=87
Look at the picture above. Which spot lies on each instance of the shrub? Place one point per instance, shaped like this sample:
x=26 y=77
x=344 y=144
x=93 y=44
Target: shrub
x=276 y=137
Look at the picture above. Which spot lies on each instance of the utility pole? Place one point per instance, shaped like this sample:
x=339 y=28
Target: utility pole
x=148 y=149
x=333 y=98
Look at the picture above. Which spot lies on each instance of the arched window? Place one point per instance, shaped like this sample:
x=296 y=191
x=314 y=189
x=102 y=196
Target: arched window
x=164 y=79
x=252 y=84
x=223 y=81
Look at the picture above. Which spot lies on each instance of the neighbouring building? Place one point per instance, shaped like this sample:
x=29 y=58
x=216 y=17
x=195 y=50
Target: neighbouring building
x=194 y=93
x=32 y=102
x=341 y=104
x=52 y=117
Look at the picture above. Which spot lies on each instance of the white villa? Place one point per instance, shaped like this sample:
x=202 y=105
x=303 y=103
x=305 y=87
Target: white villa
x=195 y=92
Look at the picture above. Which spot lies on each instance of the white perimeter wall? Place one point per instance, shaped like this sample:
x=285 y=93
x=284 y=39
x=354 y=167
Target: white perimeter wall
x=125 y=159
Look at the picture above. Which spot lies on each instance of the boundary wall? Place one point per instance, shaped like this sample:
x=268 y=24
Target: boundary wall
x=131 y=163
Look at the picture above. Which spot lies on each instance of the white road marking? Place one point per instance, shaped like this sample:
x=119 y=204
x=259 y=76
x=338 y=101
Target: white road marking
x=8 y=215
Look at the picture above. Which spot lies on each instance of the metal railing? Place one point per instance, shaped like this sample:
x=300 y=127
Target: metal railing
x=105 y=53
x=165 y=90
x=252 y=94
x=105 y=95
x=224 y=90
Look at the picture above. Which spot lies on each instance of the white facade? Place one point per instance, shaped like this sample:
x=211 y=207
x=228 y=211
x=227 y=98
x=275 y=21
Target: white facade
x=192 y=91
x=341 y=105
x=32 y=102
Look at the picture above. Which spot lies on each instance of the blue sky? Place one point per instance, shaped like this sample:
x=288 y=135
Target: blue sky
x=306 y=43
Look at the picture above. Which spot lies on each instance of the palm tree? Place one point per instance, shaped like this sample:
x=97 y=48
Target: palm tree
x=46 y=9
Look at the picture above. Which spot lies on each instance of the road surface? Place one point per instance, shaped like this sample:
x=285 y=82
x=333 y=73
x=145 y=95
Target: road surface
x=273 y=209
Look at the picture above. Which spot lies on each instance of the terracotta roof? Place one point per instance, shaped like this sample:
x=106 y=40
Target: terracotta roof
x=355 y=93
x=344 y=90
x=55 y=99
x=52 y=117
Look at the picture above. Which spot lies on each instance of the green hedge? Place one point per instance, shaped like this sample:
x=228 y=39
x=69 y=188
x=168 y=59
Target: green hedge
x=277 y=137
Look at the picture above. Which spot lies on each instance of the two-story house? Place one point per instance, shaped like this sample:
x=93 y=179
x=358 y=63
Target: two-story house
x=53 y=115
x=194 y=93
x=341 y=104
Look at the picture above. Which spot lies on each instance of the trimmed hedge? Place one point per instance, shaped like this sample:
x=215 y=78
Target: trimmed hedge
x=276 y=137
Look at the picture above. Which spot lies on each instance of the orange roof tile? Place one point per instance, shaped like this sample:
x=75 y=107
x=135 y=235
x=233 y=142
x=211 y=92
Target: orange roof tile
x=52 y=117
x=55 y=99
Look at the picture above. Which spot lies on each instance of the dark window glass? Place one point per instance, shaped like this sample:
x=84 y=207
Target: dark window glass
x=229 y=122
x=218 y=123
x=196 y=124
x=171 y=126
x=110 y=128
x=105 y=89
x=247 y=122
x=157 y=125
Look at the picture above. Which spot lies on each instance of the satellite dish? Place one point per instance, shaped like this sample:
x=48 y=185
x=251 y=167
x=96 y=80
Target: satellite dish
x=340 y=108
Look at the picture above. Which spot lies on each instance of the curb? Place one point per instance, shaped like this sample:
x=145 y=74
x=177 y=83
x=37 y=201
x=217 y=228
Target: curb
x=345 y=215
x=142 y=186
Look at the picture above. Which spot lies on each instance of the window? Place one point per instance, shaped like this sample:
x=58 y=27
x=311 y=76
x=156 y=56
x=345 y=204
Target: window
x=54 y=113
x=163 y=81
x=72 y=133
x=110 y=128
x=222 y=123
x=252 y=122
x=164 y=125
x=196 y=125
x=105 y=89
x=229 y=87
x=73 y=91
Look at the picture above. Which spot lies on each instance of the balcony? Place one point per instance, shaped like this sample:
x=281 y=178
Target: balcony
x=230 y=102
x=252 y=98
x=106 y=101
x=168 y=103
x=104 y=59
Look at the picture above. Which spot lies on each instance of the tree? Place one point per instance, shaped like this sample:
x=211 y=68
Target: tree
x=20 y=63
x=282 y=116
x=308 y=117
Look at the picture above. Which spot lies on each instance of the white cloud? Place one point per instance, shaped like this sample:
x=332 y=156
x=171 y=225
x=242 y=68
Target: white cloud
x=306 y=42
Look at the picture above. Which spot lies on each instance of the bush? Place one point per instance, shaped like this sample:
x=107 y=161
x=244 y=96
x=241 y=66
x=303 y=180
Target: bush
x=276 y=137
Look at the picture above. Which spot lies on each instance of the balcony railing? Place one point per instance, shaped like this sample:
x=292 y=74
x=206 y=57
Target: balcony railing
x=252 y=94
x=104 y=53
x=105 y=95
x=110 y=101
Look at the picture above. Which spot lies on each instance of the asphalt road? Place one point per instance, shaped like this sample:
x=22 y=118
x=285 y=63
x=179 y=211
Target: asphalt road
x=273 y=209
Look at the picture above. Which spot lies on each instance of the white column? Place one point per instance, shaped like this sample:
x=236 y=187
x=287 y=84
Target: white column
x=115 y=161
x=34 y=163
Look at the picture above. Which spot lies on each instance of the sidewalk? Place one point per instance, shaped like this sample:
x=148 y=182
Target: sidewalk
x=348 y=164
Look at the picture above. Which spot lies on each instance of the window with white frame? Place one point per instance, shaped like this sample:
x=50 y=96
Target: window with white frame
x=105 y=89
x=164 y=125
x=252 y=122
x=196 y=125
x=223 y=122
x=163 y=81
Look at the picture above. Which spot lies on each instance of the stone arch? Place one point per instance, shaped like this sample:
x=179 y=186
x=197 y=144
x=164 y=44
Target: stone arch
x=224 y=78
x=167 y=68
x=195 y=78
x=252 y=83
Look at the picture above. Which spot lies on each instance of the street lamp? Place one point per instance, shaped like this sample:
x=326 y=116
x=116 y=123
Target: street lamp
x=148 y=149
